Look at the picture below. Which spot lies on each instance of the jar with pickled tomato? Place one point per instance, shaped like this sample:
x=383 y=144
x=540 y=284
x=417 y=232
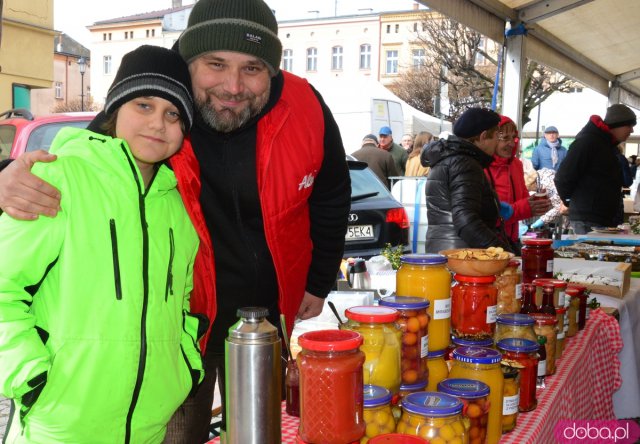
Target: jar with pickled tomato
x=546 y=325
x=426 y=276
x=473 y=306
x=483 y=364
x=438 y=369
x=560 y=314
x=436 y=417
x=515 y=325
x=331 y=389
x=377 y=412
x=475 y=399
x=522 y=354
x=509 y=289
x=537 y=259
x=381 y=343
x=510 y=398
x=559 y=289
x=464 y=342
x=413 y=320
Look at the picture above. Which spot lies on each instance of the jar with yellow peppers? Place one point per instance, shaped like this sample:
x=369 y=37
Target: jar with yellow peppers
x=436 y=417
x=377 y=412
x=515 y=325
x=475 y=399
x=381 y=344
x=545 y=325
x=511 y=398
x=509 y=289
x=426 y=276
x=438 y=369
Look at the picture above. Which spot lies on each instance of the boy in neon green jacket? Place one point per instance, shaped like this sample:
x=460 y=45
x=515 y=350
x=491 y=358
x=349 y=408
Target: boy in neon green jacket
x=97 y=342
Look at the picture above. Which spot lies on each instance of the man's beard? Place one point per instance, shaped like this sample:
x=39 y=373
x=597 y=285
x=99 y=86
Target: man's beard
x=227 y=119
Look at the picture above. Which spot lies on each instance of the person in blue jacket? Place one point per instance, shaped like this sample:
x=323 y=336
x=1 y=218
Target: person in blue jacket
x=549 y=153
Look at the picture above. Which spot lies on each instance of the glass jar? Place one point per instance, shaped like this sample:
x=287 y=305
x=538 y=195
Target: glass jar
x=413 y=321
x=528 y=299
x=463 y=342
x=426 y=276
x=381 y=343
x=542 y=362
x=560 y=313
x=331 y=401
x=559 y=288
x=398 y=438
x=475 y=398
x=546 y=325
x=483 y=364
x=473 y=306
x=537 y=259
x=438 y=369
x=432 y=415
x=509 y=289
x=377 y=412
x=522 y=354
x=292 y=387
x=572 y=312
x=510 y=398
x=547 y=300
x=406 y=389
x=515 y=325
x=580 y=291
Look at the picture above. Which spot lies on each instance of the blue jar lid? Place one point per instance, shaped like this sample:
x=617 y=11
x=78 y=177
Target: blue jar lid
x=477 y=355
x=405 y=302
x=518 y=345
x=374 y=395
x=432 y=404
x=516 y=319
x=423 y=259
x=462 y=342
x=463 y=388
x=415 y=387
x=436 y=353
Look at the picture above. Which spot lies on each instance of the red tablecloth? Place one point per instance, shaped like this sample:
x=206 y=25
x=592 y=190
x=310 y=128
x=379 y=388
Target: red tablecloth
x=582 y=388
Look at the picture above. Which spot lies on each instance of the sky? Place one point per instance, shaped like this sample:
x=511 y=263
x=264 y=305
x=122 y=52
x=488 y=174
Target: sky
x=72 y=16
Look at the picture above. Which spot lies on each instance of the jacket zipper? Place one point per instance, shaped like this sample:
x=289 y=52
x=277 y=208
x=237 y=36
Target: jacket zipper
x=116 y=259
x=169 y=288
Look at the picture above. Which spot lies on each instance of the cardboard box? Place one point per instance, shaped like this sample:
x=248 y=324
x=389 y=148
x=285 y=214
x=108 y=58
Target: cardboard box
x=608 y=278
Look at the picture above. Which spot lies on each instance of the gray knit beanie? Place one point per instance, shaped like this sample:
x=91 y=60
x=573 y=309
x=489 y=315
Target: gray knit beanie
x=619 y=115
x=245 y=26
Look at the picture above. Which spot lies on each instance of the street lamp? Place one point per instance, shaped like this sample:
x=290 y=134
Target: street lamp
x=82 y=64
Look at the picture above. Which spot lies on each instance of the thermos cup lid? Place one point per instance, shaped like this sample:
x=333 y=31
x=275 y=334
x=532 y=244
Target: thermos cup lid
x=252 y=312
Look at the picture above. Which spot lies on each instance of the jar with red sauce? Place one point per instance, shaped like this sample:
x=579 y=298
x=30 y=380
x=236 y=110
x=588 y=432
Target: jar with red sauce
x=523 y=355
x=331 y=388
x=537 y=259
x=474 y=302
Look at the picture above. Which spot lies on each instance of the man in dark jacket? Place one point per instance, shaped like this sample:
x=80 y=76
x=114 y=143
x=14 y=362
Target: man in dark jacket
x=380 y=161
x=462 y=207
x=589 y=180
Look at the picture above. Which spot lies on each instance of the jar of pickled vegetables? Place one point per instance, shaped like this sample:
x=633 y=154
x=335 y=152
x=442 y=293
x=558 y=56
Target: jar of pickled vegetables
x=413 y=321
x=436 y=417
x=560 y=314
x=515 y=325
x=483 y=364
x=473 y=306
x=426 y=276
x=377 y=412
x=331 y=401
x=509 y=289
x=438 y=369
x=537 y=259
x=510 y=398
x=559 y=288
x=545 y=325
x=572 y=312
x=464 y=342
x=522 y=354
x=475 y=399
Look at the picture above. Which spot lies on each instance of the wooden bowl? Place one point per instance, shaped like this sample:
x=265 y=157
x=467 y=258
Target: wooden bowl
x=473 y=266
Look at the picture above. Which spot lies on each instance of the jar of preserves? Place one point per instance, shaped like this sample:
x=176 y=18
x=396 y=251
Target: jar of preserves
x=398 y=438
x=580 y=292
x=377 y=412
x=559 y=288
x=545 y=325
x=426 y=276
x=475 y=398
x=510 y=399
x=292 y=386
x=433 y=415
x=537 y=259
x=473 y=306
x=509 y=289
x=560 y=313
x=515 y=325
x=572 y=312
x=438 y=369
x=463 y=342
x=542 y=362
x=381 y=343
x=331 y=401
x=406 y=389
x=413 y=321
x=483 y=364
x=547 y=300
x=528 y=299
x=522 y=354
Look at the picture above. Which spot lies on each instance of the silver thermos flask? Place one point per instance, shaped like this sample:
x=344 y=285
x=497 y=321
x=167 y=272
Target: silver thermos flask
x=253 y=379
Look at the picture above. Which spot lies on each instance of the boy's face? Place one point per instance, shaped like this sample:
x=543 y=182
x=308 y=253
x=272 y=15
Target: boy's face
x=152 y=127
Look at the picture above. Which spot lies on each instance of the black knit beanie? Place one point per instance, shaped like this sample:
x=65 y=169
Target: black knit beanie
x=245 y=26
x=474 y=121
x=619 y=115
x=152 y=71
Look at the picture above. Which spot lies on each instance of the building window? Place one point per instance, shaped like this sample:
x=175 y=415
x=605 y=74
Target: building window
x=58 y=90
x=336 y=58
x=397 y=28
x=419 y=57
x=312 y=59
x=104 y=36
x=415 y=27
x=126 y=35
x=388 y=29
x=392 y=62
x=287 y=60
x=153 y=33
x=106 y=64
x=109 y=37
x=365 y=56
x=147 y=33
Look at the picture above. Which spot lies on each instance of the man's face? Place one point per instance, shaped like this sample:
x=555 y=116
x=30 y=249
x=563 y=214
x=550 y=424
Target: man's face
x=506 y=143
x=407 y=141
x=622 y=133
x=385 y=140
x=229 y=88
x=551 y=137
x=488 y=143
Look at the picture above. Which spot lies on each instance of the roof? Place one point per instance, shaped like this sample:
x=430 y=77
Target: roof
x=154 y=15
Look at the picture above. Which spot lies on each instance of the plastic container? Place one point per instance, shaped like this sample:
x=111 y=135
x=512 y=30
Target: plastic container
x=426 y=276
x=331 y=388
x=559 y=288
x=438 y=369
x=377 y=412
x=522 y=354
x=433 y=416
x=473 y=306
x=537 y=259
x=546 y=325
x=475 y=397
x=509 y=289
x=414 y=322
x=510 y=398
x=515 y=325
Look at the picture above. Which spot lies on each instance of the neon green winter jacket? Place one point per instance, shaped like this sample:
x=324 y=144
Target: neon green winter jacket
x=94 y=303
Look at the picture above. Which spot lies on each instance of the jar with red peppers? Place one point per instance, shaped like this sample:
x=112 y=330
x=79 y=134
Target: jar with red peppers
x=473 y=306
x=537 y=259
x=523 y=355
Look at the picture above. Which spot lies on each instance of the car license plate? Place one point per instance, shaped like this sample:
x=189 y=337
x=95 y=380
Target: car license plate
x=359 y=232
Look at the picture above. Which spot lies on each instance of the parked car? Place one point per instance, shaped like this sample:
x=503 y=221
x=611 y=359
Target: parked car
x=21 y=131
x=376 y=218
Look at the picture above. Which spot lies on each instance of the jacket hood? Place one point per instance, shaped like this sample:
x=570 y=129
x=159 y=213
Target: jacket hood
x=501 y=160
x=596 y=126
x=453 y=146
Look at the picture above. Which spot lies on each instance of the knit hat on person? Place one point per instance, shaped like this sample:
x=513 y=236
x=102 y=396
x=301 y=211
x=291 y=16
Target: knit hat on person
x=619 y=115
x=474 y=121
x=370 y=138
x=245 y=26
x=152 y=71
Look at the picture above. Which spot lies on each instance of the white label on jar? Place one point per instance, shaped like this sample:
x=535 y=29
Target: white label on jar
x=510 y=404
x=560 y=334
x=442 y=308
x=518 y=291
x=550 y=266
x=586 y=314
x=561 y=298
x=542 y=367
x=424 y=346
x=492 y=314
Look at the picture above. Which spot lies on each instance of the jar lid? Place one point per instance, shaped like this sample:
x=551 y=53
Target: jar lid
x=423 y=259
x=517 y=319
x=415 y=387
x=561 y=310
x=579 y=287
x=405 y=302
x=372 y=313
x=330 y=340
x=463 y=388
x=572 y=291
x=464 y=342
x=431 y=404
x=475 y=279
x=546 y=281
x=544 y=318
x=397 y=438
x=537 y=242
x=518 y=345
x=436 y=353
x=477 y=355
x=374 y=395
